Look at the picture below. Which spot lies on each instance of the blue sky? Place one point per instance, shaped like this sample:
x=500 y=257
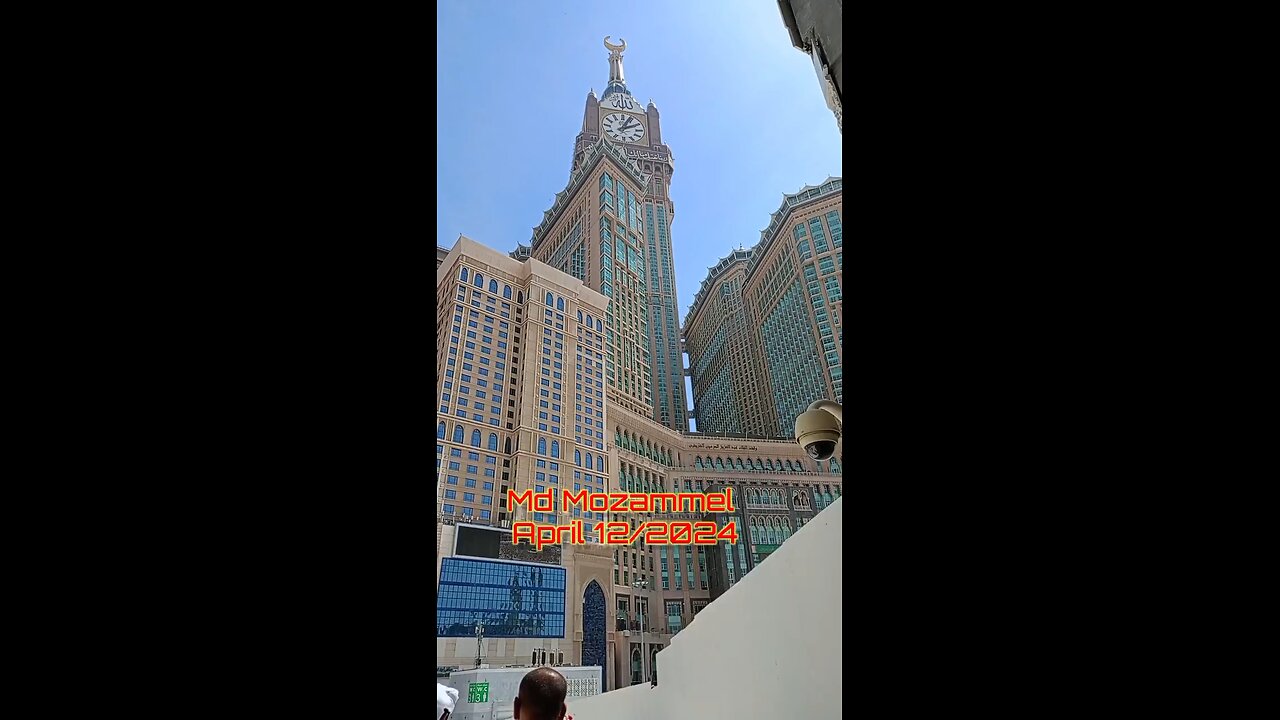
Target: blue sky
x=741 y=110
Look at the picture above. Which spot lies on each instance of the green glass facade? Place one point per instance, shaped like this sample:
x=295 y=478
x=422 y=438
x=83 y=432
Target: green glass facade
x=766 y=343
x=791 y=356
x=718 y=340
x=669 y=403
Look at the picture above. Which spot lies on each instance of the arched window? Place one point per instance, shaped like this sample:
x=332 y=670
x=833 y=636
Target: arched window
x=475 y=438
x=457 y=433
x=835 y=465
x=560 y=304
x=579 y=316
x=768 y=464
x=493 y=286
x=589 y=461
x=463 y=276
x=542 y=446
x=440 y=431
x=555 y=448
x=598 y=325
x=493 y=441
x=719 y=464
x=549 y=303
x=697 y=462
x=479 y=281
x=506 y=291
x=519 y=297
x=577 y=457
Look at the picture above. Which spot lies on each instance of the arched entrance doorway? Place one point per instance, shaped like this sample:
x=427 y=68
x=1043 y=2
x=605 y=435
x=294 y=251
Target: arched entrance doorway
x=593 y=630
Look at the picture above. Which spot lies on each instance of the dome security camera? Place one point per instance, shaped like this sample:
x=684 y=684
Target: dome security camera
x=818 y=431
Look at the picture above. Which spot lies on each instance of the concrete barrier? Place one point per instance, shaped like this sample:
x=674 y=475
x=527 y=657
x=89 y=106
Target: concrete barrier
x=497 y=689
x=768 y=648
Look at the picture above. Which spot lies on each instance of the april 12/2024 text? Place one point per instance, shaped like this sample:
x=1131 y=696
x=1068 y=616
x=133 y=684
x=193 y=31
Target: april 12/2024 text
x=654 y=532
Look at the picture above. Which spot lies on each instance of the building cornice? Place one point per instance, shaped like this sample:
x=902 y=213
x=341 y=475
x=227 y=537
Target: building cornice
x=806 y=195
x=802 y=197
x=726 y=263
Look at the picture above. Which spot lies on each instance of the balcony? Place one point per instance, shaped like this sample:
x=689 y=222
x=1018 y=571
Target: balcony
x=632 y=625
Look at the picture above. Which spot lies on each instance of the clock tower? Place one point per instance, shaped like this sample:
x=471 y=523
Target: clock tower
x=637 y=130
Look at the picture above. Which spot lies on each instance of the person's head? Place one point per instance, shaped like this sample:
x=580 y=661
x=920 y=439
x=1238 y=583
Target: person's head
x=446 y=697
x=541 y=696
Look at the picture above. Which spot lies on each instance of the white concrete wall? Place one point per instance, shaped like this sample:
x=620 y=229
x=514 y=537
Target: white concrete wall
x=624 y=704
x=768 y=648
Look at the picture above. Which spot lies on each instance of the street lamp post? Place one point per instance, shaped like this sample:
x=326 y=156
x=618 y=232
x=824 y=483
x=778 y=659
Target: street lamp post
x=644 y=651
x=479 y=637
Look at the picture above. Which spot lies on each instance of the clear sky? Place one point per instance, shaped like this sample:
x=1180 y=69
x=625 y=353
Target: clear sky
x=741 y=110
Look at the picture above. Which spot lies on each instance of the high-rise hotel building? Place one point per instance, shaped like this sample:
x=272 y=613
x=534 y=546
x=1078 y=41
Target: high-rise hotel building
x=620 y=241
x=560 y=369
x=764 y=332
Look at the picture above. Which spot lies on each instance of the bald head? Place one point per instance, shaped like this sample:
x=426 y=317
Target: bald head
x=541 y=697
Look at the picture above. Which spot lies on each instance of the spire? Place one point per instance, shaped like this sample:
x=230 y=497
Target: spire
x=615 y=60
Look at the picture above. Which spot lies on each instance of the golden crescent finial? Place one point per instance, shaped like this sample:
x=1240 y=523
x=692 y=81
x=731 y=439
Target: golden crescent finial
x=615 y=48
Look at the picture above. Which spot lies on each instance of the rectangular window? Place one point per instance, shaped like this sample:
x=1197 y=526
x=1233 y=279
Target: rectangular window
x=833 y=223
x=819 y=238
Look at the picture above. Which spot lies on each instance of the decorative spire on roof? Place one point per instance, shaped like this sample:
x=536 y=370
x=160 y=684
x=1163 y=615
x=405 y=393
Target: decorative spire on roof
x=615 y=60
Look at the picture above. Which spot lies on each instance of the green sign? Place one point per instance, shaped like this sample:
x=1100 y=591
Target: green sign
x=478 y=692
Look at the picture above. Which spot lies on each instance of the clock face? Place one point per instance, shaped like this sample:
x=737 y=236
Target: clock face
x=623 y=127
